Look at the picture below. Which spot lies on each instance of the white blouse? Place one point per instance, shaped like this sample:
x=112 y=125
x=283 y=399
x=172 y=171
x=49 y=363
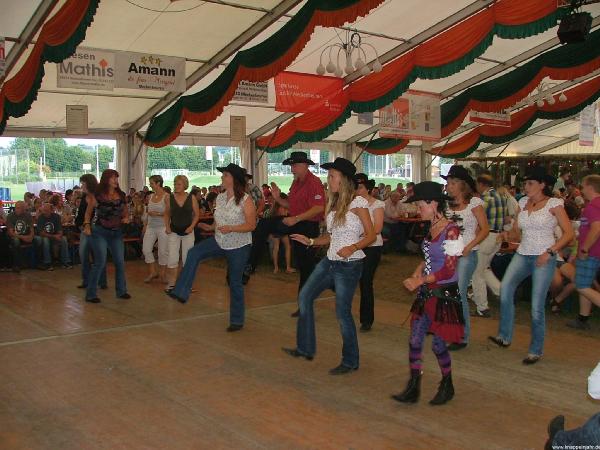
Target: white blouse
x=228 y=213
x=372 y=207
x=467 y=221
x=348 y=233
x=537 y=228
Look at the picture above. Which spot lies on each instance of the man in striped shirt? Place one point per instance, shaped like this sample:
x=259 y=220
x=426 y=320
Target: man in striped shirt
x=496 y=210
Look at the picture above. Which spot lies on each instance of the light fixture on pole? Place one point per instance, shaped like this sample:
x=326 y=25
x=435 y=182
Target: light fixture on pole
x=354 y=54
x=543 y=95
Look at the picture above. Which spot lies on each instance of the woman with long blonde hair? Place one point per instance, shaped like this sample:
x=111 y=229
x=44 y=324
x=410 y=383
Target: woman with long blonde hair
x=349 y=231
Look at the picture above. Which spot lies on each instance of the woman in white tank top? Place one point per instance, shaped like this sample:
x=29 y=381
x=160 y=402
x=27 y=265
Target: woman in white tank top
x=154 y=230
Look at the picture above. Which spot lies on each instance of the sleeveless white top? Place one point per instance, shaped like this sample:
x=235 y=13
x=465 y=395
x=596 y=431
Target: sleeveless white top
x=537 y=228
x=228 y=213
x=467 y=221
x=348 y=233
x=372 y=207
x=157 y=221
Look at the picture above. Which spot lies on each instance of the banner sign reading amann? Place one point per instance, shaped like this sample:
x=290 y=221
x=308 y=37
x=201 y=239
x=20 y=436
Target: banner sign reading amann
x=301 y=92
x=252 y=92
x=147 y=71
x=2 y=56
x=415 y=115
x=87 y=69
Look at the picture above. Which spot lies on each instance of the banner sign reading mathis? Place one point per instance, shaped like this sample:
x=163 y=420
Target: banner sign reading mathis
x=87 y=69
x=301 y=92
x=415 y=115
x=2 y=56
x=148 y=71
x=252 y=92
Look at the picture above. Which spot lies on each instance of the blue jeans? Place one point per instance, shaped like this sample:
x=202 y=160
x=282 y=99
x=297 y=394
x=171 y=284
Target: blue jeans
x=103 y=239
x=85 y=252
x=466 y=268
x=236 y=262
x=521 y=267
x=46 y=243
x=342 y=276
x=588 y=434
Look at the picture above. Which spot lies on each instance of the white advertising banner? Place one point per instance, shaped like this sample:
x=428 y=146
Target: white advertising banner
x=587 y=125
x=252 y=92
x=87 y=69
x=2 y=56
x=489 y=118
x=148 y=71
x=415 y=115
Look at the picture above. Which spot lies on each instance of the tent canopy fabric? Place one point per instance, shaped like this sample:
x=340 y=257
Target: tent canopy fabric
x=200 y=30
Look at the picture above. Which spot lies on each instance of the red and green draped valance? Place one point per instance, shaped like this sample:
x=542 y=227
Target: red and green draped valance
x=444 y=55
x=259 y=63
x=383 y=146
x=578 y=98
x=562 y=63
x=58 y=40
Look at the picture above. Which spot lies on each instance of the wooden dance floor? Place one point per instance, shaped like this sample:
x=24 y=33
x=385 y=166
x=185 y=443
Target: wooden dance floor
x=149 y=373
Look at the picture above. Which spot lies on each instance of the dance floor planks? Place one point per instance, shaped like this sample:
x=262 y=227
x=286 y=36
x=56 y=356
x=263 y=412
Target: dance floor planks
x=149 y=373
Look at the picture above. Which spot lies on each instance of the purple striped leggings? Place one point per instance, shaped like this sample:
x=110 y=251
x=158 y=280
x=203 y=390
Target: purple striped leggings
x=417 y=337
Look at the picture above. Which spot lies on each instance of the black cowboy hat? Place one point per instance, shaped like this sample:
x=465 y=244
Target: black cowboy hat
x=343 y=165
x=236 y=172
x=461 y=173
x=426 y=191
x=297 y=158
x=539 y=174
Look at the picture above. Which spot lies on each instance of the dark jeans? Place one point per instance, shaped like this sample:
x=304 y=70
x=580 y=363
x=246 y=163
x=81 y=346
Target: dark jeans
x=103 y=239
x=15 y=250
x=397 y=234
x=85 y=255
x=236 y=261
x=343 y=277
x=588 y=434
x=304 y=257
x=367 y=298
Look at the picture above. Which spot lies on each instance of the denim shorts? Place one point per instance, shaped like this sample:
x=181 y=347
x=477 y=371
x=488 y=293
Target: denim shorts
x=585 y=271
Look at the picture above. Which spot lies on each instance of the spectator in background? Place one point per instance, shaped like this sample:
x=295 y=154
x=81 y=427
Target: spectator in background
x=400 y=190
x=495 y=212
x=564 y=179
x=410 y=186
x=268 y=196
x=393 y=229
x=5 y=262
x=574 y=195
x=256 y=194
x=29 y=198
x=51 y=234
x=89 y=184
x=20 y=231
x=37 y=206
x=69 y=199
x=278 y=210
x=587 y=263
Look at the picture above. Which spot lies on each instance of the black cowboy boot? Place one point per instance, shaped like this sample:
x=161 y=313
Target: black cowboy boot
x=445 y=391
x=412 y=391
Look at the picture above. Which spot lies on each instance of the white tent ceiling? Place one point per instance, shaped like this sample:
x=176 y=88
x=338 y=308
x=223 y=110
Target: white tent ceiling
x=206 y=27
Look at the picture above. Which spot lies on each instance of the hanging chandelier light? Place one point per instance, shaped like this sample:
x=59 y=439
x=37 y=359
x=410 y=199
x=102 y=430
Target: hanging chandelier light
x=351 y=54
x=543 y=94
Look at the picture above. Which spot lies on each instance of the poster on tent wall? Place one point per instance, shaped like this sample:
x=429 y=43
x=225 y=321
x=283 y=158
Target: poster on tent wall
x=415 y=115
x=252 y=92
x=302 y=92
x=2 y=57
x=587 y=125
x=77 y=120
x=149 y=71
x=87 y=69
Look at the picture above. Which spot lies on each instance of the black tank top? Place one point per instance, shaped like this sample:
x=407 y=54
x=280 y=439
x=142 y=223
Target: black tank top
x=181 y=216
